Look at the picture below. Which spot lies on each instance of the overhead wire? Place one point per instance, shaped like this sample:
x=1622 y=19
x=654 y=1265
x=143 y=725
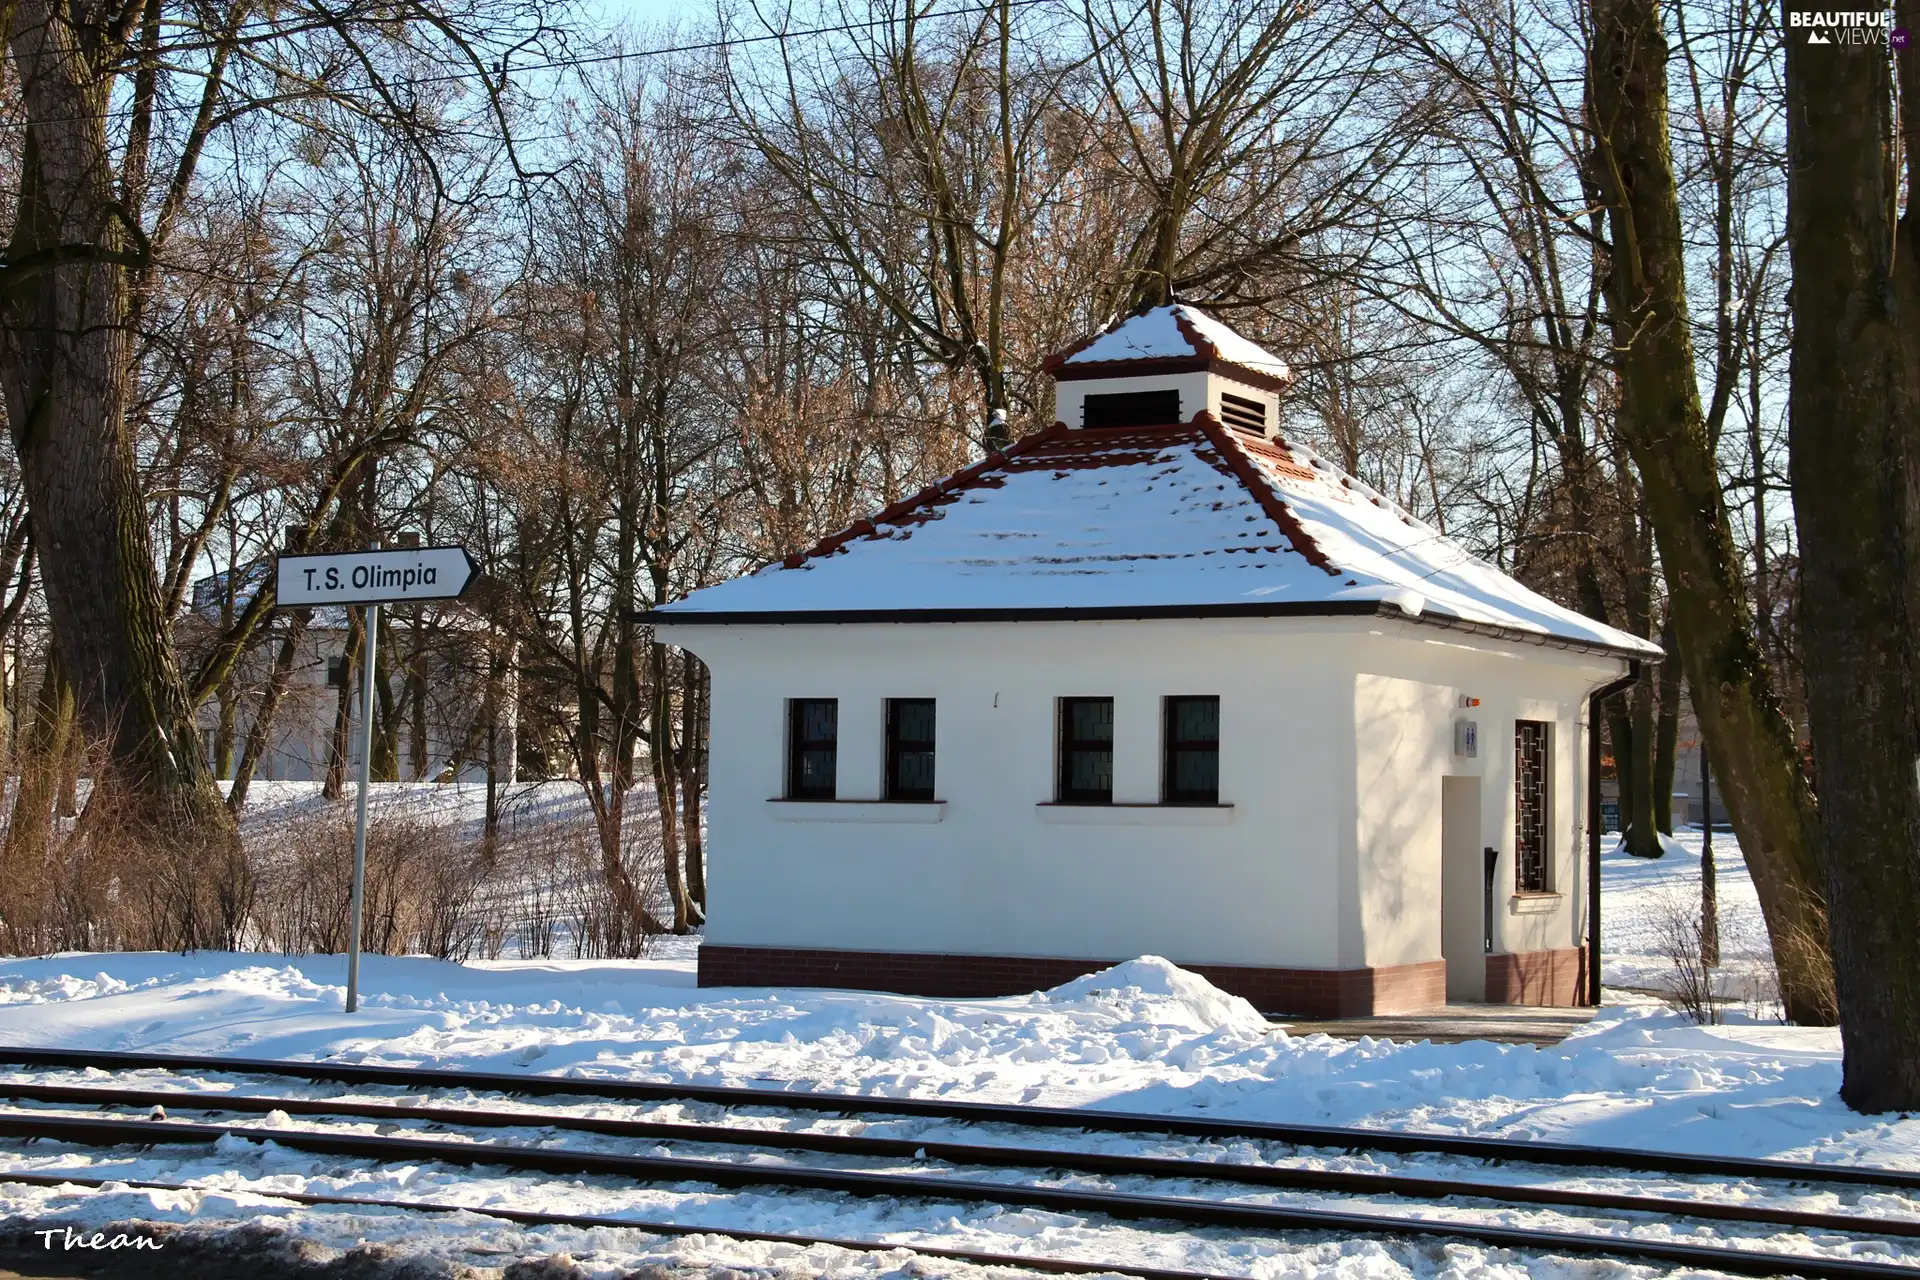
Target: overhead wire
x=558 y=64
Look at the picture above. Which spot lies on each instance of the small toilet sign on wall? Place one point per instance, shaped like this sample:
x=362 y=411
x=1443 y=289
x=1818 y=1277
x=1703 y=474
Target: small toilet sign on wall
x=1466 y=739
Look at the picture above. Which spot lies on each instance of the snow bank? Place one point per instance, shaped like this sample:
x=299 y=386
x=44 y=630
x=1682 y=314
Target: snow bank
x=1143 y=1036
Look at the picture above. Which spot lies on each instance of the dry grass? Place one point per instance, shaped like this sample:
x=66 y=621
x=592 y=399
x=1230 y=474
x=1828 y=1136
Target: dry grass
x=423 y=890
x=99 y=882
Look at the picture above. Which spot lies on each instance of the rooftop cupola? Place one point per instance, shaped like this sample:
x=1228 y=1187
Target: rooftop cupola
x=1165 y=365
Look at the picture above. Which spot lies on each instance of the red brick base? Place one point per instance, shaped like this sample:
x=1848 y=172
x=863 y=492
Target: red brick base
x=1319 y=993
x=1538 y=977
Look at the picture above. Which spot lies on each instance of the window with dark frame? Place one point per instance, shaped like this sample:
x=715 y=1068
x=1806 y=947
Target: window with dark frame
x=1190 y=773
x=1086 y=751
x=910 y=749
x=1530 y=806
x=1131 y=409
x=337 y=672
x=813 y=747
x=1247 y=415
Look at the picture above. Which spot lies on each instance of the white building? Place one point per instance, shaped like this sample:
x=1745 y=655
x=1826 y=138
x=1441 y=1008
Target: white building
x=1153 y=681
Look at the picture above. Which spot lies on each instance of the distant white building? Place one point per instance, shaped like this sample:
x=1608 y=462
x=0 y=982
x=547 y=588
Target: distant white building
x=299 y=740
x=1153 y=681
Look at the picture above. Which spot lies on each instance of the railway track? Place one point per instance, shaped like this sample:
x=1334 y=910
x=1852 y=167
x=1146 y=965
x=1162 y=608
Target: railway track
x=472 y=1139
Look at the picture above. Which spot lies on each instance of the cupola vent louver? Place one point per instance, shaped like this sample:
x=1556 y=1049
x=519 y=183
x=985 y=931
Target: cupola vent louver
x=1247 y=415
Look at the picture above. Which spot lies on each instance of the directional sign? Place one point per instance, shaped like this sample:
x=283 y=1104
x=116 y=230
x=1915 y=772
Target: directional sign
x=375 y=577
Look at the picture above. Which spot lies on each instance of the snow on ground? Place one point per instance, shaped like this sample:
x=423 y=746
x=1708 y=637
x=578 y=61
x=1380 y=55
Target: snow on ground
x=1646 y=900
x=1142 y=1036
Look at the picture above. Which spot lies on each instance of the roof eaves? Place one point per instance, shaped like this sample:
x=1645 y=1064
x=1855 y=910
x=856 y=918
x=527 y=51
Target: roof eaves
x=1144 y=613
x=1091 y=369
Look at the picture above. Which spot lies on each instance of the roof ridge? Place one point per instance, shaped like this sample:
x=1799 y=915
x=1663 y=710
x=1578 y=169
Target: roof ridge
x=1263 y=492
x=866 y=526
x=1191 y=332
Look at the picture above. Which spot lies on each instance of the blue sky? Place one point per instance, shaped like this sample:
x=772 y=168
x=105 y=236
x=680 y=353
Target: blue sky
x=647 y=12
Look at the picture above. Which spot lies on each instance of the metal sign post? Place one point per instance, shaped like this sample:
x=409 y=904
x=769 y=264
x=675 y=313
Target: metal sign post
x=370 y=578
x=370 y=620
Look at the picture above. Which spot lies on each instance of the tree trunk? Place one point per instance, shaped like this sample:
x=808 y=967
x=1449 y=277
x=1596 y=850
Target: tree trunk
x=260 y=732
x=66 y=371
x=228 y=731
x=1666 y=732
x=1663 y=426
x=1640 y=832
x=1854 y=441
x=41 y=760
x=70 y=763
x=335 y=785
x=666 y=782
x=420 y=755
x=387 y=714
x=693 y=782
x=1709 y=874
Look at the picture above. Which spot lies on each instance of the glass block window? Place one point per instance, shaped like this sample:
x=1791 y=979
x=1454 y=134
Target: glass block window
x=1190 y=772
x=1086 y=751
x=813 y=747
x=1530 y=806
x=910 y=749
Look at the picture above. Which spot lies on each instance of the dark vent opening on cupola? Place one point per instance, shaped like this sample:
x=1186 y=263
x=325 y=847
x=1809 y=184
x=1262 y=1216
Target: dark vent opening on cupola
x=1247 y=415
x=1131 y=409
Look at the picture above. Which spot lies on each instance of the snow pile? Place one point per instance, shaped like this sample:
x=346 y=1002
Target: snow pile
x=1142 y=1036
x=1154 y=991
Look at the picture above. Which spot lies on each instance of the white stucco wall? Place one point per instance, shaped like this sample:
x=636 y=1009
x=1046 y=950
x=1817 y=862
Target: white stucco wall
x=1334 y=736
x=1409 y=686
x=1197 y=391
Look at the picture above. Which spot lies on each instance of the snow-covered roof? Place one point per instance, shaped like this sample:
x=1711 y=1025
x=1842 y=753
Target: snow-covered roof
x=1192 y=518
x=1166 y=336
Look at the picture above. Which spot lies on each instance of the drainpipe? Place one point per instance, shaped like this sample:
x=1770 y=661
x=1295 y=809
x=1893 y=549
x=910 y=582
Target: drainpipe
x=1594 y=703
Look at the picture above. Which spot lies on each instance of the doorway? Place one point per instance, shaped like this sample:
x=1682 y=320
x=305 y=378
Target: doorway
x=1462 y=892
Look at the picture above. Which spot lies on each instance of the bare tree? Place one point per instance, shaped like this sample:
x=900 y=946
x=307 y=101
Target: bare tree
x=913 y=147
x=1664 y=425
x=1249 y=129
x=120 y=104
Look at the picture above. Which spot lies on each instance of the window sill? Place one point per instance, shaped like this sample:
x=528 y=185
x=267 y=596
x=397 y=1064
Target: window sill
x=869 y=811
x=1535 y=904
x=1136 y=815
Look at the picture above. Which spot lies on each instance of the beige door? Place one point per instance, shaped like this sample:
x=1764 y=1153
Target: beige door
x=1463 y=923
